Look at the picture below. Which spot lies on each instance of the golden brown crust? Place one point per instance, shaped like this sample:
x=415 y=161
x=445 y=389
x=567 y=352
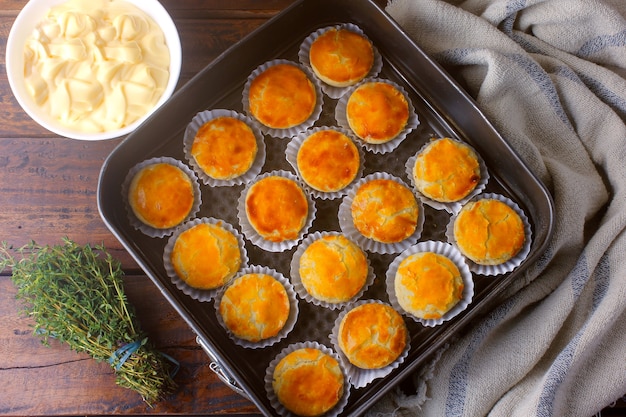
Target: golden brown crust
x=161 y=195
x=282 y=96
x=277 y=208
x=446 y=170
x=385 y=211
x=489 y=232
x=372 y=335
x=340 y=57
x=328 y=160
x=428 y=285
x=377 y=112
x=308 y=382
x=206 y=256
x=333 y=269
x=224 y=148
x=255 y=307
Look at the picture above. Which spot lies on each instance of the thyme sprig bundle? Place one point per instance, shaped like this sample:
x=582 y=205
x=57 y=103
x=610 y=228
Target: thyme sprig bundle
x=75 y=295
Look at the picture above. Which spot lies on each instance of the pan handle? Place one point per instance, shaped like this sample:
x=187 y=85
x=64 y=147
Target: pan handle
x=219 y=371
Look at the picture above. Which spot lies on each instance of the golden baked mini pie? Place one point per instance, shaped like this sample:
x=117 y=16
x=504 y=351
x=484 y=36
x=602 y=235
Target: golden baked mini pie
x=489 y=232
x=377 y=112
x=340 y=57
x=328 y=160
x=161 y=195
x=282 y=96
x=308 y=382
x=333 y=269
x=385 y=211
x=206 y=256
x=255 y=307
x=276 y=208
x=446 y=170
x=428 y=285
x=224 y=147
x=372 y=335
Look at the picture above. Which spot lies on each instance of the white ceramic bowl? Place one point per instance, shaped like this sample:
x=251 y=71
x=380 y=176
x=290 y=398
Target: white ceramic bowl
x=31 y=15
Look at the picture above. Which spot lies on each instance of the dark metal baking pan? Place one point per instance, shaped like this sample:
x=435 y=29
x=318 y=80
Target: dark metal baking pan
x=444 y=109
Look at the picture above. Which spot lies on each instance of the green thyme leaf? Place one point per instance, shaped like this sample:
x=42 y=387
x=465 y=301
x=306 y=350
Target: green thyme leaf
x=75 y=294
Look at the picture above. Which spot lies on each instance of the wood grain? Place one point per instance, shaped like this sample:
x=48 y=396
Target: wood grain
x=48 y=184
x=48 y=189
x=52 y=380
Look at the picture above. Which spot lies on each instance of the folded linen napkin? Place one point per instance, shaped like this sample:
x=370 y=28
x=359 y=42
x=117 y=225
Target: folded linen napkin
x=550 y=75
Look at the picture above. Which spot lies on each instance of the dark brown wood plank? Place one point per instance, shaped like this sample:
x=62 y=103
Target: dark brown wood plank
x=41 y=380
x=48 y=191
x=205 y=40
x=48 y=184
x=173 y=6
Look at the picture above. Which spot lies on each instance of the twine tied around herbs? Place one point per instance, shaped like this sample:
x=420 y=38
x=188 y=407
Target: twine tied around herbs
x=125 y=351
x=121 y=355
x=75 y=295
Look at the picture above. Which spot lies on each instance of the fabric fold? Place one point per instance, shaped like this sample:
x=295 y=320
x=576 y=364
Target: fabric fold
x=549 y=75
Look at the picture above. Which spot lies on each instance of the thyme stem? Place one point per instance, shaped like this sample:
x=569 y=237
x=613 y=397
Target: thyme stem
x=75 y=295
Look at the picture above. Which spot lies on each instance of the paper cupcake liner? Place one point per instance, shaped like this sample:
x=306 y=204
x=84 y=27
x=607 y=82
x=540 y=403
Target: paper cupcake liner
x=297 y=280
x=303 y=55
x=205 y=116
x=451 y=253
x=269 y=376
x=451 y=207
x=253 y=236
x=134 y=220
x=377 y=148
x=291 y=154
x=197 y=293
x=293 y=311
x=511 y=264
x=346 y=223
x=360 y=377
x=294 y=130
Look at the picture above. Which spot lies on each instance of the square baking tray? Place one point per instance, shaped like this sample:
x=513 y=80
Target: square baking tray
x=444 y=109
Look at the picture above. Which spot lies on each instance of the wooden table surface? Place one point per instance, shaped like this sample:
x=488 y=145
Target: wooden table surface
x=48 y=192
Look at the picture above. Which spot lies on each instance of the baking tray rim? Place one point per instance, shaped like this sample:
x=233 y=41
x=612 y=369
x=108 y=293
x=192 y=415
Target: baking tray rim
x=232 y=377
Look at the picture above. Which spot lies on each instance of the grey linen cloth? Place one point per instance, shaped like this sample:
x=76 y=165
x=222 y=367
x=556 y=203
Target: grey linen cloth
x=550 y=76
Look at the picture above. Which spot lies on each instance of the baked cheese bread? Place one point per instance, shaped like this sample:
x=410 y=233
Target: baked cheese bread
x=372 y=335
x=308 y=382
x=255 y=307
x=328 y=160
x=427 y=285
x=161 y=195
x=333 y=269
x=276 y=208
x=282 y=96
x=340 y=57
x=224 y=148
x=377 y=112
x=488 y=231
x=385 y=211
x=446 y=170
x=206 y=256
